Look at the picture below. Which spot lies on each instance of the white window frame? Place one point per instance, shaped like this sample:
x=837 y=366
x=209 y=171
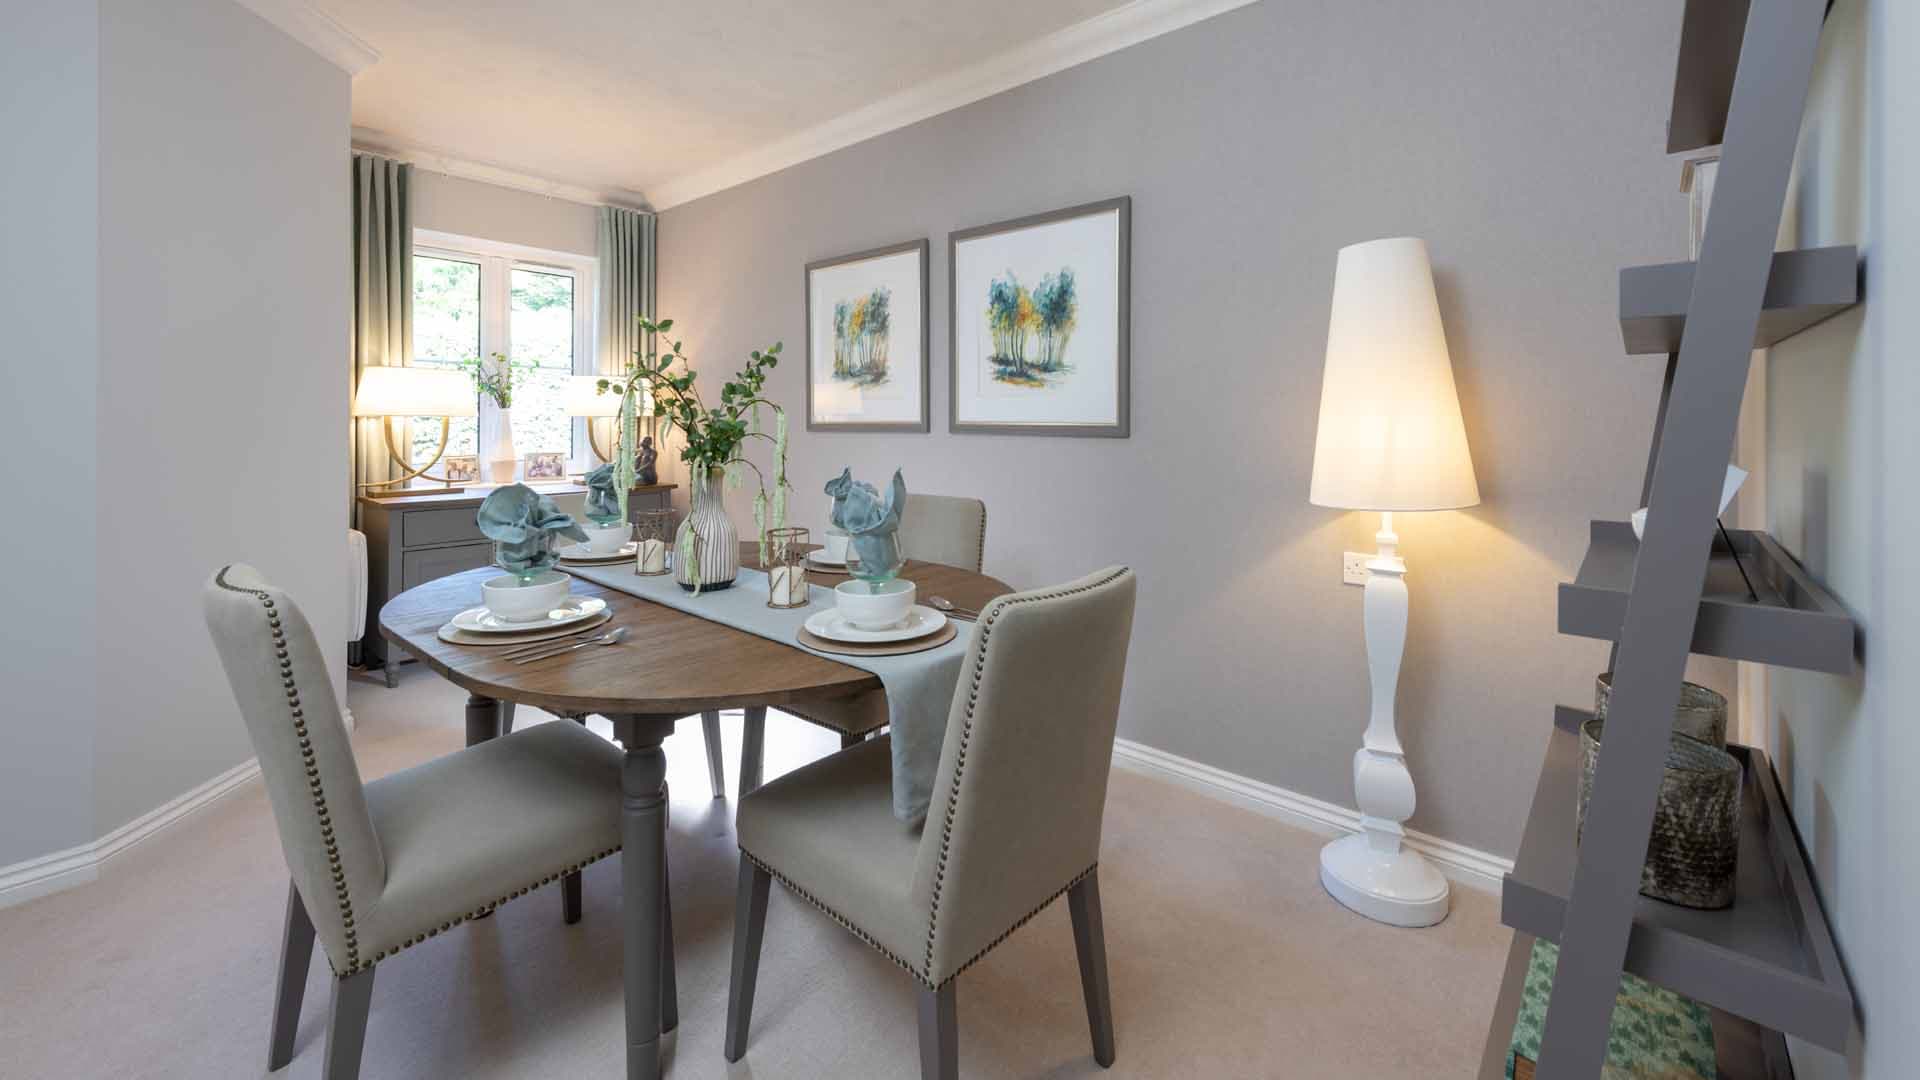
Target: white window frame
x=498 y=259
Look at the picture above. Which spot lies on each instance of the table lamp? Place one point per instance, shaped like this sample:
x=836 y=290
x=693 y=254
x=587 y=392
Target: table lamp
x=585 y=399
x=388 y=392
x=1390 y=439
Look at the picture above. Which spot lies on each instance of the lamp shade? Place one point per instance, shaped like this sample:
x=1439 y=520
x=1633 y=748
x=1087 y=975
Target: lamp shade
x=585 y=399
x=1390 y=435
x=415 y=391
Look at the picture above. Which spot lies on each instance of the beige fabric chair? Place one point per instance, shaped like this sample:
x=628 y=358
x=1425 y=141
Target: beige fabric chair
x=935 y=528
x=1015 y=820
x=380 y=867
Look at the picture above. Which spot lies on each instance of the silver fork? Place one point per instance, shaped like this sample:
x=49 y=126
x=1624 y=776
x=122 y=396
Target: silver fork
x=542 y=646
x=611 y=637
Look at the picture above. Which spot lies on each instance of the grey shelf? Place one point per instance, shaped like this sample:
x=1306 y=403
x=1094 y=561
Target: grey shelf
x=1769 y=958
x=1803 y=288
x=1795 y=623
x=1710 y=33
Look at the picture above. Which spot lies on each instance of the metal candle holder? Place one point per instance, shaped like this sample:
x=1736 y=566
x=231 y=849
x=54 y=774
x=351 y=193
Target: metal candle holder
x=786 y=568
x=652 y=542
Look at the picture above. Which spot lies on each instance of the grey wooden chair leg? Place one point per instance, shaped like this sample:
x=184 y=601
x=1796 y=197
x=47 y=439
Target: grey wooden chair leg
x=1090 y=941
x=848 y=742
x=296 y=952
x=570 y=898
x=347 y=1029
x=716 y=768
x=669 y=978
x=753 y=744
x=506 y=717
x=749 y=926
x=392 y=668
x=939 y=1033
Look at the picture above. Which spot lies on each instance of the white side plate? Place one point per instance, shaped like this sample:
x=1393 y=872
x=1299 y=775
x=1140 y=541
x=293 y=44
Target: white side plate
x=920 y=621
x=481 y=621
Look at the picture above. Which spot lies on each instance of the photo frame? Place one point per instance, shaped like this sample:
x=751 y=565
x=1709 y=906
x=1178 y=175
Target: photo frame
x=546 y=466
x=868 y=341
x=461 y=468
x=1039 y=320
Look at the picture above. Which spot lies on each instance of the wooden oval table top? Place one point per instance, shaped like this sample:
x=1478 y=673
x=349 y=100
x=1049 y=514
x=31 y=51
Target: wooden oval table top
x=672 y=663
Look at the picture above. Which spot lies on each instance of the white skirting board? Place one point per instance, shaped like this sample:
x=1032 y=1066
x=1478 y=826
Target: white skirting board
x=1467 y=866
x=78 y=865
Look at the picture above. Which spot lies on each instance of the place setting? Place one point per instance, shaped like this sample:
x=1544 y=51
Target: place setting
x=876 y=613
x=531 y=609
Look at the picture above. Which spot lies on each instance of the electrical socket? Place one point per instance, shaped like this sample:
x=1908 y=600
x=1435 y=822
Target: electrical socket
x=1353 y=567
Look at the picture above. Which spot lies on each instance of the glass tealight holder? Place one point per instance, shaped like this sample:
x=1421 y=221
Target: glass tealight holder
x=652 y=541
x=787 y=568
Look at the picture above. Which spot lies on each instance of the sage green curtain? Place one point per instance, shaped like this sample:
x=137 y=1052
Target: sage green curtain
x=382 y=295
x=626 y=283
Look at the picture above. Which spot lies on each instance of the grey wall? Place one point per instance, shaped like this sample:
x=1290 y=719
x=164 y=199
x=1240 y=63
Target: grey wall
x=1842 y=447
x=49 y=302
x=1522 y=139
x=471 y=208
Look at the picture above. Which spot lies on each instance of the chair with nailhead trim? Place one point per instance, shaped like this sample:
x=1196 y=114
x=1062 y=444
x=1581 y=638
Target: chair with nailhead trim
x=944 y=529
x=382 y=866
x=1014 y=823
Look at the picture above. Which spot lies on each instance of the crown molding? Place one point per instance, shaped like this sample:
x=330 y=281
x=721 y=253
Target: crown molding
x=317 y=31
x=1127 y=25
x=440 y=161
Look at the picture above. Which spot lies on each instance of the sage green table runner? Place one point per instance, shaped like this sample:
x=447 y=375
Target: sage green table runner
x=919 y=686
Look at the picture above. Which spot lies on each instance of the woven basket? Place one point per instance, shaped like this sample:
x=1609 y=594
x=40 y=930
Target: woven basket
x=1701 y=713
x=1695 y=844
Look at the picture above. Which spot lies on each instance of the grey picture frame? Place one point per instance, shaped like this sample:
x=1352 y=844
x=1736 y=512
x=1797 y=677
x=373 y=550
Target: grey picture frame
x=1121 y=428
x=924 y=246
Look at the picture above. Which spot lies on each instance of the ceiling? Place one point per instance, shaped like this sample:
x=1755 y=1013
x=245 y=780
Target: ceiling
x=632 y=95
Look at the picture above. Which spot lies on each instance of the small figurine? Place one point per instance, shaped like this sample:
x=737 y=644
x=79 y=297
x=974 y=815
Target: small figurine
x=644 y=472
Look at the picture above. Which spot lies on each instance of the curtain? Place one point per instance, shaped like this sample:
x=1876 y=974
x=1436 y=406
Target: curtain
x=626 y=283
x=382 y=295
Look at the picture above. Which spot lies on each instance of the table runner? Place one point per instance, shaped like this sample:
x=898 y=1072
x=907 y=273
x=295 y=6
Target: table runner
x=919 y=686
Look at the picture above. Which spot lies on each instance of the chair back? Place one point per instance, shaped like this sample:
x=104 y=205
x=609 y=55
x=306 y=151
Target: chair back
x=1022 y=786
x=945 y=529
x=279 y=678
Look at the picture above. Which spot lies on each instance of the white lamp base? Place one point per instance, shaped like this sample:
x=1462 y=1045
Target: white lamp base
x=1400 y=888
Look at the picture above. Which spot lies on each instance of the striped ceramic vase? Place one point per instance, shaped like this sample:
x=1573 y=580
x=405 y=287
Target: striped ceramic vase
x=715 y=544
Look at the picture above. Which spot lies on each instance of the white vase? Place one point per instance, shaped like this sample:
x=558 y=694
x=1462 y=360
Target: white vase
x=501 y=462
x=716 y=544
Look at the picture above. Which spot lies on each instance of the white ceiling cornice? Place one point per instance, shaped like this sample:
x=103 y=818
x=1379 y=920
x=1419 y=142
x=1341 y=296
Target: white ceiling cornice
x=317 y=31
x=1115 y=30
x=440 y=161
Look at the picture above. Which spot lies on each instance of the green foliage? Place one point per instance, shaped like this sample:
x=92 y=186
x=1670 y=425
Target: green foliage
x=496 y=379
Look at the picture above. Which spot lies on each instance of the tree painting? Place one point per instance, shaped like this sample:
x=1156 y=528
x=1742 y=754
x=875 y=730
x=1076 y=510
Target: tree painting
x=860 y=337
x=1029 y=329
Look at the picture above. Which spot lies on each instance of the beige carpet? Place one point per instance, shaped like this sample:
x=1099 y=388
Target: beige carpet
x=1227 y=959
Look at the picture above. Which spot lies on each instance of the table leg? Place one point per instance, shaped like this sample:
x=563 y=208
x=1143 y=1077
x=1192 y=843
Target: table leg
x=643 y=811
x=483 y=719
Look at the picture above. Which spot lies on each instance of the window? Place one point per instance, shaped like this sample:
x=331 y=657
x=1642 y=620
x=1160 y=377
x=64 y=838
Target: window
x=474 y=298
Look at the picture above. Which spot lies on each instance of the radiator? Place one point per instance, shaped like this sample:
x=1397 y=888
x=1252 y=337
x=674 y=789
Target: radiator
x=356 y=585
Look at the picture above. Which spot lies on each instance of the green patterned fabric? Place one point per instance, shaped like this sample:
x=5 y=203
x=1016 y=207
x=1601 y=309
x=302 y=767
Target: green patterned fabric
x=1656 y=1034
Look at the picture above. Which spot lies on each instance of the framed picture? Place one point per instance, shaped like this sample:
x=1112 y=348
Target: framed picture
x=461 y=468
x=545 y=465
x=867 y=341
x=1039 y=323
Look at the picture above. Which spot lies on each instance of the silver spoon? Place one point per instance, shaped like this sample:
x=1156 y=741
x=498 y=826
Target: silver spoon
x=942 y=604
x=611 y=637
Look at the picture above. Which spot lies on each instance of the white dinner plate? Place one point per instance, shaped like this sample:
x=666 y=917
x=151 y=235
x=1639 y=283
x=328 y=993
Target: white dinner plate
x=820 y=559
x=571 y=610
x=581 y=554
x=921 y=620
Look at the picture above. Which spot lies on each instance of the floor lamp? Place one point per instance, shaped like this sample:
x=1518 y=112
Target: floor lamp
x=1390 y=440
x=389 y=392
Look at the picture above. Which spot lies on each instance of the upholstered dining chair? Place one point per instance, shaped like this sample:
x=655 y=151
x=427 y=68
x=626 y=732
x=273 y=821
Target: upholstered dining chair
x=1014 y=823
x=383 y=866
x=945 y=529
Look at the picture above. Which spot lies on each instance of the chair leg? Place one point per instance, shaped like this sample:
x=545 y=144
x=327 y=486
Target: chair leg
x=506 y=717
x=347 y=1029
x=716 y=769
x=749 y=926
x=669 y=979
x=296 y=952
x=1090 y=941
x=848 y=742
x=753 y=743
x=939 y=1033
x=570 y=898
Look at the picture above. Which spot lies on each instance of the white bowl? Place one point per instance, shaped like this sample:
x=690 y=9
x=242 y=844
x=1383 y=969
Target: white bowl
x=516 y=601
x=874 y=607
x=607 y=539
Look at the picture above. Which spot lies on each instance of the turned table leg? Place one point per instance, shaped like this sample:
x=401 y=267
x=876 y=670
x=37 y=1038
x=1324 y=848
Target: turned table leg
x=643 y=813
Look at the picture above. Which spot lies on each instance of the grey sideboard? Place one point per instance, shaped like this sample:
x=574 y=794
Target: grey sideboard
x=413 y=539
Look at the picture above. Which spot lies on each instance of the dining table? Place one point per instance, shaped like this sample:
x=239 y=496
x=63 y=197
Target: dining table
x=670 y=665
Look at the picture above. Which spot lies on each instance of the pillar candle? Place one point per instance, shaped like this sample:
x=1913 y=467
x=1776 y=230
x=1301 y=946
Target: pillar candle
x=651 y=558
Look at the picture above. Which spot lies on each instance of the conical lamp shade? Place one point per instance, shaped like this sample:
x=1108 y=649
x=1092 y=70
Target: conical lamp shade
x=1390 y=435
